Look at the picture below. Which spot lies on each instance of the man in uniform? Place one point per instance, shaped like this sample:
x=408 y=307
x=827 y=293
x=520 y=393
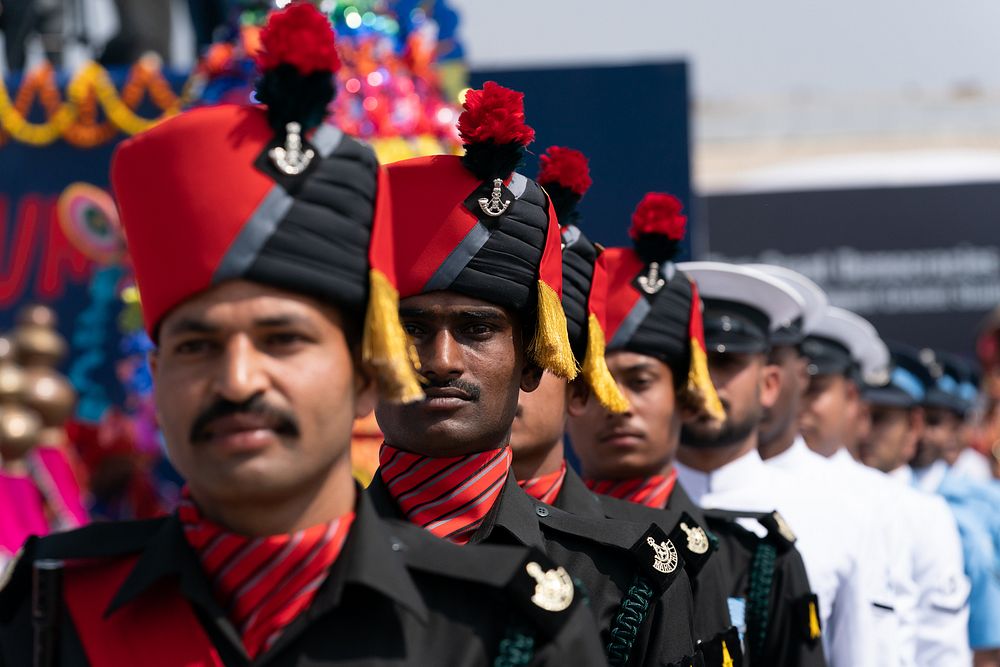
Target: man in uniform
x=943 y=589
x=249 y=230
x=782 y=447
x=476 y=254
x=723 y=469
x=537 y=432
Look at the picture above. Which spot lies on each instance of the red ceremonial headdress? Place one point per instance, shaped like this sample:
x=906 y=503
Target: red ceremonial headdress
x=651 y=308
x=565 y=175
x=472 y=225
x=269 y=194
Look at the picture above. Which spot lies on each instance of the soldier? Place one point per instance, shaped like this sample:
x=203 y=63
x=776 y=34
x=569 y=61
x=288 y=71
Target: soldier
x=723 y=469
x=476 y=254
x=943 y=589
x=249 y=228
x=537 y=432
x=782 y=447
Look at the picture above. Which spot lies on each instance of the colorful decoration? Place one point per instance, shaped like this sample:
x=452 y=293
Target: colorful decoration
x=88 y=217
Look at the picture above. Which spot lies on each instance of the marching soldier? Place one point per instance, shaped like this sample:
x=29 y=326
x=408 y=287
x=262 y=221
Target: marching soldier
x=249 y=228
x=537 y=433
x=476 y=255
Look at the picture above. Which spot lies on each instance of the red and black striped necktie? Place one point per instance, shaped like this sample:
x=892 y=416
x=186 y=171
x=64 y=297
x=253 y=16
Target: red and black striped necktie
x=651 y=491
x=263 y=583
x=448 y=496
x=545 y=487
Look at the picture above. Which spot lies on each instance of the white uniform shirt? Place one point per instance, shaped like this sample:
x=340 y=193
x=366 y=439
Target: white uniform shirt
x=939 y=572
x=827 y=540
x=973 y=465
x=894 y=645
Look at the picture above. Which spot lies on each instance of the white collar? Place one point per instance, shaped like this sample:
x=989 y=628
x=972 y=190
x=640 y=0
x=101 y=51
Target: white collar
x=930 y=478
x=903 y=474
x=794 y=457
x=733 y=475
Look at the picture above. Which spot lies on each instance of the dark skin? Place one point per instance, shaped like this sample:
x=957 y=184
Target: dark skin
x=747 y=385
x=472 y=354
x=643 y=440
x=893 y=438
x=256 y=391
x=536 y=438
x=780 y=425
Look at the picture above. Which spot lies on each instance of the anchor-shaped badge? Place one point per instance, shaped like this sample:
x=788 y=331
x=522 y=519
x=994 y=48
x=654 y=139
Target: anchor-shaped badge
x=553 y=588
x=493 y=207
x=290 y=158
x=664 y=555
x=651 y=283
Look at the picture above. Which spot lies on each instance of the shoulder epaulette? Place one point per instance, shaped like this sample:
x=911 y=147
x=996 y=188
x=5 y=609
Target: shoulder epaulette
x=778 y=530
x=807 y=614
x=695 y=541
x=540 y=590
x=723 y=650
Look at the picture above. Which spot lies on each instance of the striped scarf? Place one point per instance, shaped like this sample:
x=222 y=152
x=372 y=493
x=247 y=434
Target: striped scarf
x=263 y=583
x=651 y=491
x=448 y=496
x=545 y=487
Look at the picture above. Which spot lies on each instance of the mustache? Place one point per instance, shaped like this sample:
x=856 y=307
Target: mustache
x=469 y=388
x=284 y=421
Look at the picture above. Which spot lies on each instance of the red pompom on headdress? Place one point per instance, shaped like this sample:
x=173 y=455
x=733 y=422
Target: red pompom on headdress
x=658 y=213
x=565 y=167
x=494 y=114
x=301 y=36
x=657 y=227
x=494 y=132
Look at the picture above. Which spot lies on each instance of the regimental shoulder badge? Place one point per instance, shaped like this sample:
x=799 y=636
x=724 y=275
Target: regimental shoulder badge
x=697 y=540
x=807 y=611
x=553 y=587
x=778 y=529
x=723 y=650
x=695 y=544
x=658 y=558
x=665 y=557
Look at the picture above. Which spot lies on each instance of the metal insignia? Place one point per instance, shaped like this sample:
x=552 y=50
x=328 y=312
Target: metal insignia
x=783 y=527
x=651 y=283
x=553 y=588
x=665 y=555
x=290 y=158
x=493 y=207
x=697 y=539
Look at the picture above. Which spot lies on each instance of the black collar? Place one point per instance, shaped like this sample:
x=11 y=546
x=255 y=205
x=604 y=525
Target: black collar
x=576 y=498
x=369 y=559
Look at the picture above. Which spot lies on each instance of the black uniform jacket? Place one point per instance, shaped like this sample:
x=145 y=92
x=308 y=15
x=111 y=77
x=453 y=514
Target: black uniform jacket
x=604 y=557
x=711 y=613
x=789 y=641
x=395 y=596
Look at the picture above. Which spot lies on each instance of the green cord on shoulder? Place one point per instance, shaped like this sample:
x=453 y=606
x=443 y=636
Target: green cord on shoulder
x=635 y=606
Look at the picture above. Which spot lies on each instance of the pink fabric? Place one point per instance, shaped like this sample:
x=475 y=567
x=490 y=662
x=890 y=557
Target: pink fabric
x=54 y=476
x=22 y=513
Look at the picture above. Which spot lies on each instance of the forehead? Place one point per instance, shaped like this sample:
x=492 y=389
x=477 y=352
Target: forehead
x=241 y=304
x=626 y=360
x=446 y=303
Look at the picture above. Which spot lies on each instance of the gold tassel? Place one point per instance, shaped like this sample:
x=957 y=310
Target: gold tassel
x=550 y=348
x=595 y=370
x=727 y=659
x=814 y=631
x=699 y=383
x=386 y=346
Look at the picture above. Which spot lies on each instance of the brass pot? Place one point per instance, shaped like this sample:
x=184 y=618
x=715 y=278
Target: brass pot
x=11 y=382
x=20 y=429
x=39 y=346
x=38 y=315
x=48 y=393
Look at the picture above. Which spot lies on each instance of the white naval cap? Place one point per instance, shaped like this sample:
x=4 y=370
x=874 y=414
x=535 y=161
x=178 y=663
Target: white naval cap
x=841 y=340
x=743 y=306
x=814 y=299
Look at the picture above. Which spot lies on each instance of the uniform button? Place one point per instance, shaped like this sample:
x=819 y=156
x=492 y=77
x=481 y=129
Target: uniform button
x=542 y=511
x=397 y=546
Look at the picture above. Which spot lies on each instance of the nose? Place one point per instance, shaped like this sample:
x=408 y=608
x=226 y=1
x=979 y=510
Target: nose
x=241 y=371
x=441 y=357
